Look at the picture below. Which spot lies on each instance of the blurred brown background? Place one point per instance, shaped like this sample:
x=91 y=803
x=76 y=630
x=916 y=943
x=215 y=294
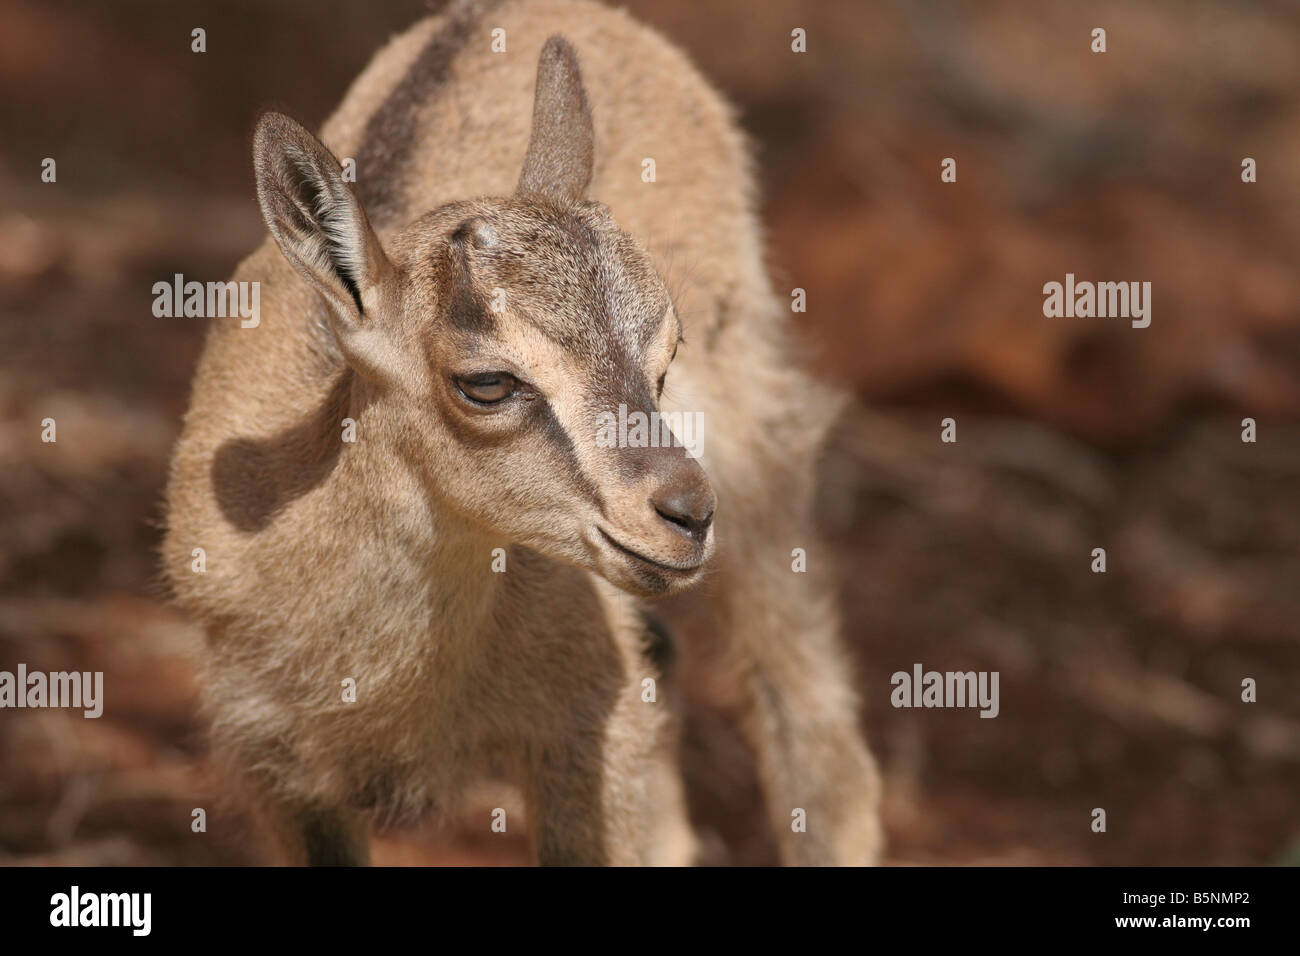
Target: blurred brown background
x=1119 y=690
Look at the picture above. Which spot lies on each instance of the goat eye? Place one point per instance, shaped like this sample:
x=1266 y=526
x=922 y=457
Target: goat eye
x=662 y=378
x=488 y=388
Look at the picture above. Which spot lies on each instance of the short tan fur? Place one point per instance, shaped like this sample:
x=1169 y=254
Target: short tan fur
x=490 y=284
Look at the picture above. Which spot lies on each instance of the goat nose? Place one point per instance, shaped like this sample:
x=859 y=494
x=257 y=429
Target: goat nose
x=688 y=507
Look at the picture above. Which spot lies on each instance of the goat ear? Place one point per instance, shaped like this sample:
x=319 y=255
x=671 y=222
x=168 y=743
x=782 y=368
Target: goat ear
x=318 y=222
x=558 y=163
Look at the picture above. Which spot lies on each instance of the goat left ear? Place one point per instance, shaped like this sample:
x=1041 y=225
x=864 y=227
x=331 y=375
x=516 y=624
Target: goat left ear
x=560 y=153
x=320 y=226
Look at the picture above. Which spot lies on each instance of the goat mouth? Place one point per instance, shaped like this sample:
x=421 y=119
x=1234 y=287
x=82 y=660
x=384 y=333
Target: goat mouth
x=683 y=569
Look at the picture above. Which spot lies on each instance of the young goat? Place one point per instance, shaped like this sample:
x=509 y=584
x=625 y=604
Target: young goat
x=426 y=385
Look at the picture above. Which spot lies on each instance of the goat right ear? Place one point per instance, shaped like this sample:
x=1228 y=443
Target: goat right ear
x=560 y=154
x=320 y=225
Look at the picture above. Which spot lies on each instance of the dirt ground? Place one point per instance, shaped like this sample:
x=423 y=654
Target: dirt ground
x=1119 y=690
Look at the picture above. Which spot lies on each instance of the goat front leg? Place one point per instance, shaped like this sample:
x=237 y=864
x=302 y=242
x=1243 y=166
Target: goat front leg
x=592 y=793
x=671 y=839
x=799 y=711
x=312 y=835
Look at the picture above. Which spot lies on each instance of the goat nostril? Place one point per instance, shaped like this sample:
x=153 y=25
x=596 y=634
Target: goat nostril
x=690 y=511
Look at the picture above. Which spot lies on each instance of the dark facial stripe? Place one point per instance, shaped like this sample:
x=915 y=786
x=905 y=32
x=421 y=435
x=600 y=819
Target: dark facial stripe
x=389 y=140
x=466 y=309
x=560 y=440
